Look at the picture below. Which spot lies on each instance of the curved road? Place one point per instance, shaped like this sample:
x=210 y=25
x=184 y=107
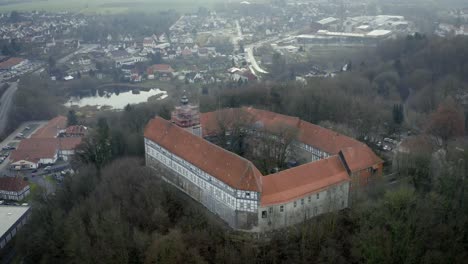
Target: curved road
x=5 y=105
x=253 y=62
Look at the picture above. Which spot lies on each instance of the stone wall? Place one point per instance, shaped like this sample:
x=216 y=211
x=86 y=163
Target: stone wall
x=277 y=216
x=234 y=218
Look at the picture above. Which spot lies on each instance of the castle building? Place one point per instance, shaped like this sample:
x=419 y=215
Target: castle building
x=234 y=189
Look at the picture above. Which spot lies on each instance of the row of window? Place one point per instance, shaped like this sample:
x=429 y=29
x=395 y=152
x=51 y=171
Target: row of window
x=188 y=165
x=270 y=211
x=314 y=151
x=216 y=192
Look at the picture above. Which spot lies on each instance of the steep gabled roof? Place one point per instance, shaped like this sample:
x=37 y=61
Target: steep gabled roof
x=5 y=65
x=325 y=139
x=34 y=149
x=360 y=157
x=228 y=167
x=292 y=184
x=52 y=128
x=270 y=119
x=12 y=184
x=213 y=122
x=357 y=154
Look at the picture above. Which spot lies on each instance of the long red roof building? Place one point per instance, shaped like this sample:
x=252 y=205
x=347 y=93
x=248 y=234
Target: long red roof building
x=344 y=162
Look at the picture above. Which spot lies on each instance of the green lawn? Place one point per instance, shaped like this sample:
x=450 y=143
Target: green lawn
x=49 y=178
x=105 y=6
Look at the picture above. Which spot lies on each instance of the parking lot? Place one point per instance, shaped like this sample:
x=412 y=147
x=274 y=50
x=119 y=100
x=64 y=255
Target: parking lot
x=26 y=68
x=46 y=177
x=13 y=140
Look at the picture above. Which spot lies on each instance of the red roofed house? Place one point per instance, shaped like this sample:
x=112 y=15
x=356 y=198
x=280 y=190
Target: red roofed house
x=34 y=152
x=11 y=64
x=47 y=145
x=52 y=129
x=12 y=188
x=234 y=189
x=164 y=71
x=75 y=131
x=149 y=43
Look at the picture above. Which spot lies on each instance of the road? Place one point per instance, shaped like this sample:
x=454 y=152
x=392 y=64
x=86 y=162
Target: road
x=251 y=59
x=249 y=50
x=85 y=48
x=5 y=105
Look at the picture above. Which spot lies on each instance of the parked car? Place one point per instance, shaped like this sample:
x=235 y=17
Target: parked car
x=8 y=148
x=48 y=168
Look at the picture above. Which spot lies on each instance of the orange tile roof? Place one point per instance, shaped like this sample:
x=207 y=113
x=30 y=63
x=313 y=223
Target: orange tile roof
x=212 y=121
x=51 y=129
x=360 y=157
x=321 y=138
x=12 y=184
x=270 y=120
x=10 y=63
x=277 y=188
x=231 y=169
x=292 y=184
x=69 y=143
x=76 y=130
x=34 y=149
x=164 y=68
x=325 y=139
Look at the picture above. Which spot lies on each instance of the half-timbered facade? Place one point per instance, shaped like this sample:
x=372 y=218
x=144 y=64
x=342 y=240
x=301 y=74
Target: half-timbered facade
x=235 y=190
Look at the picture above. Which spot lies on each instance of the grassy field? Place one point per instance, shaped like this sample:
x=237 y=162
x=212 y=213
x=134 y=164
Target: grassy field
x=105 y=6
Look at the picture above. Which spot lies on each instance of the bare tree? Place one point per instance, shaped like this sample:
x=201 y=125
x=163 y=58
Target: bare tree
x=272 y=146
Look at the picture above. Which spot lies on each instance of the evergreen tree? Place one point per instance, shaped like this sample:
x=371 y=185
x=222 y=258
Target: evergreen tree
x=72 y=118
x=398 y=114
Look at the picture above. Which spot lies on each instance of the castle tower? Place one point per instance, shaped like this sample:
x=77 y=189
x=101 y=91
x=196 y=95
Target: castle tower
x=187 y=116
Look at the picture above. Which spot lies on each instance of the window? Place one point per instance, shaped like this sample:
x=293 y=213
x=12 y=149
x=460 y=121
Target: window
x=247 y=195
x=241 y=205
x=309 y=199
x=281 y=208
x=295 y=203
x=302 y=201
x=270 y=210
x=318 y=195
x=264 y=214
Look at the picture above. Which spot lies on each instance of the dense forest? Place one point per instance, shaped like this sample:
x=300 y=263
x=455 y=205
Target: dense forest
x=114 y=210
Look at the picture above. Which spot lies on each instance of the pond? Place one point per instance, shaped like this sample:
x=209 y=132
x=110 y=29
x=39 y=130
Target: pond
x=116 y=100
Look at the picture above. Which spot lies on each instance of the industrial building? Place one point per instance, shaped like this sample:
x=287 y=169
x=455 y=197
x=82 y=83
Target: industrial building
x=12 y=218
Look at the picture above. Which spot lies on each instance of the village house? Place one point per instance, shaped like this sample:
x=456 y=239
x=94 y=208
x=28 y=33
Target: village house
x=122 y=57
x=235 y=190
x=13 y=188
x=12 y=63
x=160 y=71
x=54 y=141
